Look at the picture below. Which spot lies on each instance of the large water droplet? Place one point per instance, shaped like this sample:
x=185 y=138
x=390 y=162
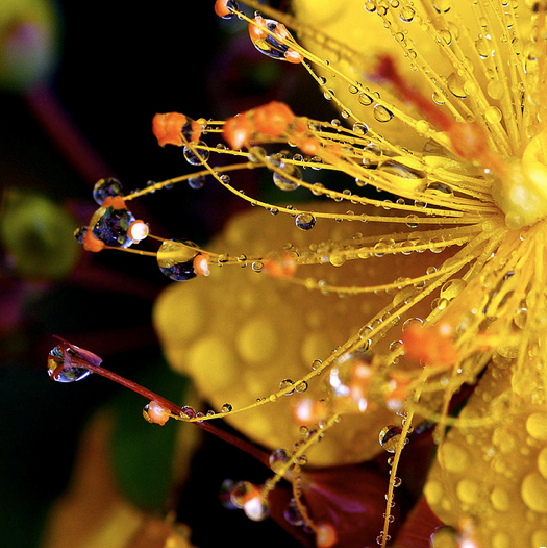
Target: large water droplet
x=57 y=358
x=287 y=184
x=105 y=188
x=407 y=14
x=382 y=114
x=176 y=260
x=278 y=459
x=305 y=221
x=111 y=227
x=389 y=438
x=195 y=157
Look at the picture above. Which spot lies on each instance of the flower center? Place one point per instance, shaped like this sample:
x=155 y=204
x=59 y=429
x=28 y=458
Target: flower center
x=522 y=192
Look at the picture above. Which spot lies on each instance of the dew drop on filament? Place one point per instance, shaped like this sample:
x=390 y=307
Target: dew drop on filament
x=305 y=221
x=389 y=438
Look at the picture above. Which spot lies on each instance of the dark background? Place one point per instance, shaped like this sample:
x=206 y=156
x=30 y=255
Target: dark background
x=90 y=117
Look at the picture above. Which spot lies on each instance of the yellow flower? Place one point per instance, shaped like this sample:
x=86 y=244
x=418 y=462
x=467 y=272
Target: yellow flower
x=385 y=305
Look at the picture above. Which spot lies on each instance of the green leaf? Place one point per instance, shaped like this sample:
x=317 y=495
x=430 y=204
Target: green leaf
x=143 y=453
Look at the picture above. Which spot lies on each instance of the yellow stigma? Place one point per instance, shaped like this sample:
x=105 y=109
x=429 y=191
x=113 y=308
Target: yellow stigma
x=522 y=193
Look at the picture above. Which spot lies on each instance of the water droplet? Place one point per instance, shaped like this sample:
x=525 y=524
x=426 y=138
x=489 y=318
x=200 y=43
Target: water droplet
x=195 y=157
x=278 y=459
x=286 y=384
x=305 y=221
x=407 y=14
x=534 y=492
x=365 y=99
x=360 y=128
x=257 y=509
x=493 y=115
x=226 y=408
x=301 y=387
x=57 y=358
x=444 y=536
x=456 y=86
x=446 y=36
x=536 y=425
x=111 y=227
x=412 y=221
x=241 y=492
x=438 y=98
x=105 y=188
x=176 y=260
x=496 y=89
x=288 y=183
x=382 y=114
x=271 y=43
x=389 y=438
x=196 y=182
x=187 y=412
x=441 y=6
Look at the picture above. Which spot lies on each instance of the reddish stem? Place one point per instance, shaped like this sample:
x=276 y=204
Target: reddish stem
x=79 y=361
x=235 y=441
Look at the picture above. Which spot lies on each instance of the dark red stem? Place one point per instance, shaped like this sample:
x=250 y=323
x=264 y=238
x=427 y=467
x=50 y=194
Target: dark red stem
x=235 y=441
x=231 y=439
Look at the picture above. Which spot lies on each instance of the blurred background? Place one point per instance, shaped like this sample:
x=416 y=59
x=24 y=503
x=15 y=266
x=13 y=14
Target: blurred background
x=79 y=84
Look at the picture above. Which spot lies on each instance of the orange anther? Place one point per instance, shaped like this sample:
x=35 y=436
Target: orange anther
x=167 y=128
x=470 y=141
x=117 y=202
x=309 y=145
x=285 y=267
x=91 y=243
x=273 y=119
x=398 y=388
x=138 y=231
x=325 y=535
x=222 y=8
x=359 y=384
x=255 y=32
x=308 y=412
x=201 y=264
x=195 y=129
x=156 y=413
x=431 y=345
x=237 y=131
x=293 y=56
